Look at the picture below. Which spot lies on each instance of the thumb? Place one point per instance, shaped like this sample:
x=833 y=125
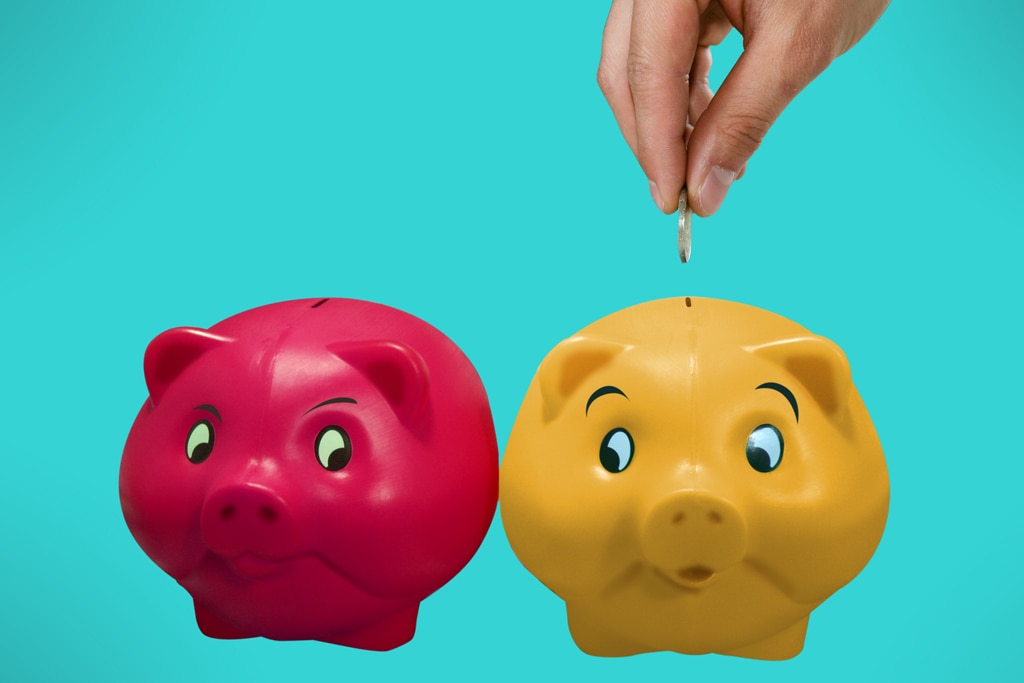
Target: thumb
x=766 y=78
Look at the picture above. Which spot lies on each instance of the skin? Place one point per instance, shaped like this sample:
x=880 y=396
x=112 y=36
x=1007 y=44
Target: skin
x=655 y=62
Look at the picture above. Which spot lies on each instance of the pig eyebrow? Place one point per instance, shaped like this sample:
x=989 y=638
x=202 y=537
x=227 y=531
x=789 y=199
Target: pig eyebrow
x=785 y=392
x=601 y=392
x=210 y=409
x=340 y=399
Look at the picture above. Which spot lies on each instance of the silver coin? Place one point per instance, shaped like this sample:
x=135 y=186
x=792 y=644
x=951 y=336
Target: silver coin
x=685 y=219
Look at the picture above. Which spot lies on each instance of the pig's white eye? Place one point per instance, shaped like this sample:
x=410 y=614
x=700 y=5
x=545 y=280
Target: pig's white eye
x=333 y=448
x=616 y=450
x=764 y=448
x=199 y=443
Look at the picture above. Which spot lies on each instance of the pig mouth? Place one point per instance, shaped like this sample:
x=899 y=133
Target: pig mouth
x=696 y=576
x=251 y=566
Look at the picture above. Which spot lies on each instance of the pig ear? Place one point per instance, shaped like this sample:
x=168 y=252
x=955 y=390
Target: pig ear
x=567 y=365
x=817 y=363
x=171 y=352
x=397 y=370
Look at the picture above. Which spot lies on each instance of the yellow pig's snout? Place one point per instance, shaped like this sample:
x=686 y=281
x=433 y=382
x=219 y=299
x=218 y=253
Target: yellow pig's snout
x=691 y=535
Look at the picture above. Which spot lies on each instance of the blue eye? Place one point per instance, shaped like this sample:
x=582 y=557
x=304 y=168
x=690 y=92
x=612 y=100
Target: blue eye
x=616 y=450
x=764 y=448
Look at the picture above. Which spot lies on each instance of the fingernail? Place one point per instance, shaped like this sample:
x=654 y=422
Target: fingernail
x=715 y=186
x=655 y=194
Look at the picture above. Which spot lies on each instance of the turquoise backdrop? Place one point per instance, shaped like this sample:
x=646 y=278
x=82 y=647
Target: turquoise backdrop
x=173 y=163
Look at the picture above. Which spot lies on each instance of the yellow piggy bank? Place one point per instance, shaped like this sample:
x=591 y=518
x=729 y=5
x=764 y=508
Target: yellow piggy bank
x=693 y=475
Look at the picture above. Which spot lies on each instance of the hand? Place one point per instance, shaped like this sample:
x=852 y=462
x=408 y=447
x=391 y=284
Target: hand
x=655 y=62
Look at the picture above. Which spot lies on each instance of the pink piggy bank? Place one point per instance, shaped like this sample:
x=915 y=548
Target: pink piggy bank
x=310 y=470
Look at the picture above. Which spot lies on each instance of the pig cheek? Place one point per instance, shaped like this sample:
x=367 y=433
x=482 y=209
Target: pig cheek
x=573 y=528
x=815 y=531
x=403 y=523
x=160 y=497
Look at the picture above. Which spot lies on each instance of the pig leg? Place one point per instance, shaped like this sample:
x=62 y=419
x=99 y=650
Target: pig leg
x=782 y=645
x=592 y=637
x=213 y=626
x=386 y=634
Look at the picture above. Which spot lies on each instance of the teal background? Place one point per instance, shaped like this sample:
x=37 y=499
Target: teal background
x=166 y=164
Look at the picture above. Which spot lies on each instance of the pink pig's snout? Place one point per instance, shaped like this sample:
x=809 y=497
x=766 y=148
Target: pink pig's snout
x=247 y=518
x=691 y=535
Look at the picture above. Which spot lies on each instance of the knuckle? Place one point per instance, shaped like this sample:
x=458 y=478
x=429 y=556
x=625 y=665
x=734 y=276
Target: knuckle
x=742 y=133
x=605 y=77
x=646 y=74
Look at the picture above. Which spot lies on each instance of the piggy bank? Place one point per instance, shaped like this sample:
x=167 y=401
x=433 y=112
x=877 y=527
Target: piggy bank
x=696 y=476
x=310 y=470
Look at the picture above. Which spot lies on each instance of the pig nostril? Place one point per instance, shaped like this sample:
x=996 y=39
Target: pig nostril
x=679 y=518
x=714 y=517
x=267 y=514
x=228 y=512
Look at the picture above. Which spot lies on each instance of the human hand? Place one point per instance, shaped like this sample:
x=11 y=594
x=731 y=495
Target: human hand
x=655 y=62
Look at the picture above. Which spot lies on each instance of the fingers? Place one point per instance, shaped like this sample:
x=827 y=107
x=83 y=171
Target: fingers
x=611 y=72
x=662 y=44
x=714 y=25
x=771 y=71
x=654 y=71
x=700 y=85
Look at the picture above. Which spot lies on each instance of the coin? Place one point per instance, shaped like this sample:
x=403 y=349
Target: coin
x=685 y=219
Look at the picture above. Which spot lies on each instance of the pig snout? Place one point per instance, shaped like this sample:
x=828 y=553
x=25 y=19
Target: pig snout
x=247 y=518
x=691 y=535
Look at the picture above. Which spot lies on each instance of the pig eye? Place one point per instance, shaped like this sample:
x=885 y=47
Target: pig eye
x=616 y=450
x=199 y=443
x=333 y=448
x=764 y=448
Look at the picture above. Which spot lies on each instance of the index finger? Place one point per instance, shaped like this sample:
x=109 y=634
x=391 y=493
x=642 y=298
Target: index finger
x=662 y=44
